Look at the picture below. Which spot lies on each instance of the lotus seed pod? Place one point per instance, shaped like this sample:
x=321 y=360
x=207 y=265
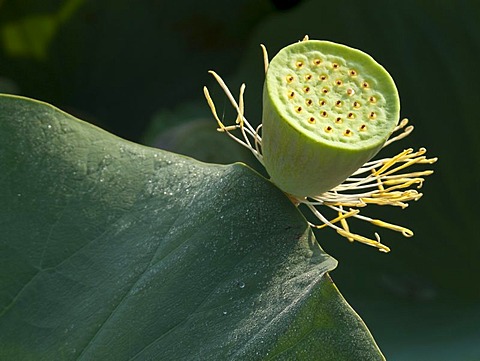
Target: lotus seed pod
x=327 y=109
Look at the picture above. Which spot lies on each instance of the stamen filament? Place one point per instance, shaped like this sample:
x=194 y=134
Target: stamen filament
x=265 y=57
x=341 y=217
x=370 y=242
x=400 y=136
x=405 y=231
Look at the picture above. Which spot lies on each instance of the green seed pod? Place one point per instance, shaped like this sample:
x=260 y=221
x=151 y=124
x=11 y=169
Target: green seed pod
x=327 y=109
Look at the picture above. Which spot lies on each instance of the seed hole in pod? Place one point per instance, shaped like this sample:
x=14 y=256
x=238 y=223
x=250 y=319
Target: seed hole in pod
x=306 y=89
x=335 y=66
x=350 y=91
x=308 y=77
x=290 y=78
x=339 y=82
x=350 y=115
x=323 y=102
x=298 y=109
x=328 y=129
x=299 y=64
x=311 y=120
x=365 y=85
x=372 y=100
x=317 y=61
x=338 y=103
x=309 y=102
x=291 y=94
x=356 y=105
x=353 y=72
x=372 y=115
x=363 y=127
x=324 y=114
x=347 y=132
x=338 y=120
x=323 y=77
x=324 y=90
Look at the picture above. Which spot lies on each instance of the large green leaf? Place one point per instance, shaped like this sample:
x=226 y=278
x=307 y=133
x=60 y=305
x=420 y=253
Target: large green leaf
x=112 y=251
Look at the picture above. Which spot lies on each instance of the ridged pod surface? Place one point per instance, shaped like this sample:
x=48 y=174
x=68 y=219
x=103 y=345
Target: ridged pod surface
x=327 y=109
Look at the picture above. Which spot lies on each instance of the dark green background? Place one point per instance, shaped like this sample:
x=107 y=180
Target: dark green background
x=136 y=68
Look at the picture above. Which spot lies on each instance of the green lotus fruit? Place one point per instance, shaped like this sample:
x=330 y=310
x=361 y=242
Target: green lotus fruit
x=327 y=109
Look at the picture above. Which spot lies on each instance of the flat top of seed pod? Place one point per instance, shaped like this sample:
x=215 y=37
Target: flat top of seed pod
x=333 y=93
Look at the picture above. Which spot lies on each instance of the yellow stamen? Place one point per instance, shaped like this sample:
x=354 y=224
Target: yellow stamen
x=403 y=183
x=241 y=107
x=405 y=231
x=345 y=226
x=214 y=111
x=363 y=240
x=357 y=204
x=341 y=217
x=265 y=57
x=390 y=162
x=393 y=198
x=379 y=182
x=344 y=223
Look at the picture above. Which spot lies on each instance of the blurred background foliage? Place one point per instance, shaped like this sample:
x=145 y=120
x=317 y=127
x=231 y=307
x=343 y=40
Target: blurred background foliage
x=136 y=68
